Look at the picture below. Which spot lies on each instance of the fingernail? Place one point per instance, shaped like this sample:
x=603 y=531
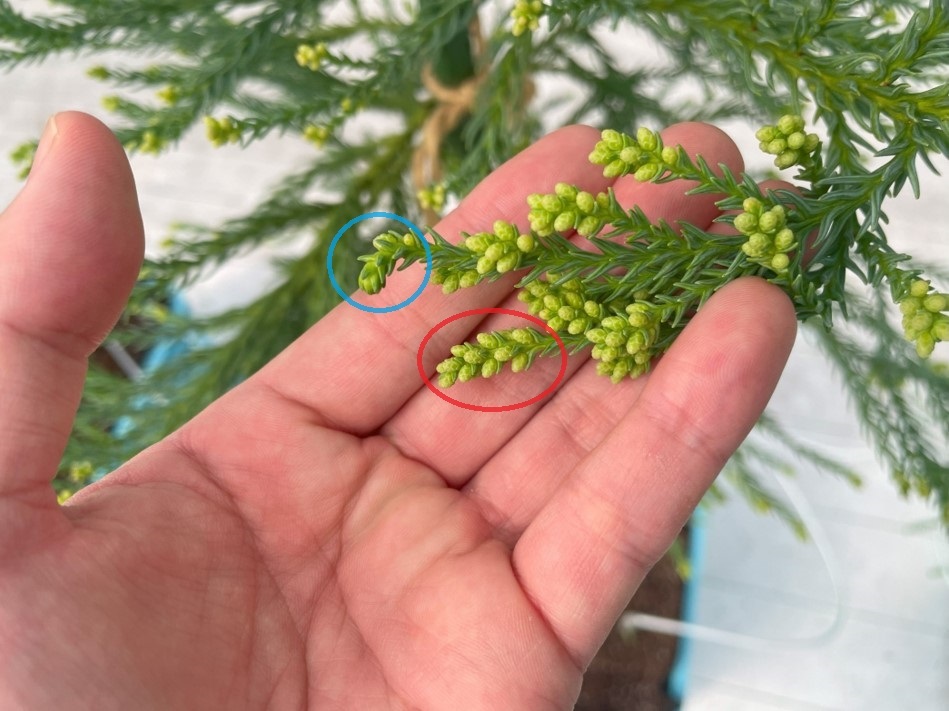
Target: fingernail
x=46 y=142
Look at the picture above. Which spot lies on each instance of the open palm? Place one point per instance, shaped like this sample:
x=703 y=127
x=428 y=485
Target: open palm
x=330 y=535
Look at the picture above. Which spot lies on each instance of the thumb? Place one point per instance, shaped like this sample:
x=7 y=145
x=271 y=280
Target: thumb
x=70 y=249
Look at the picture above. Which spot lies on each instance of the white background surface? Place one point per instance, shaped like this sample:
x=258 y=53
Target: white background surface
x=890 y=647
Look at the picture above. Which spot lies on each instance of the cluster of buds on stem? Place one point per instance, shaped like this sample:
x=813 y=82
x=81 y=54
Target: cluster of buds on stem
x=391 y=247
x=432 y=197
x=787 y=141
x=486 y=358
x=498 y=252
x=769 y=238
x=925 y=321
x=526 y=15
x=564 y=307
x=625 y=346
x=311 y=56
x=644 y=156
x=568 y=208
x=222 y=131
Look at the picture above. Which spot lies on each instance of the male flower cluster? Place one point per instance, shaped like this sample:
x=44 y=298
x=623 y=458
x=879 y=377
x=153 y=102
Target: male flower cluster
x=311 y=56
x=222 y=131
x=526 y=15
x=626 y=346
x=568 y=208
x=769 y=238
x=644 y=156
x=499 y=251
x=925 y=322
x=390 y=248
x=562 y=306
x=787 y=141
x=486 y=358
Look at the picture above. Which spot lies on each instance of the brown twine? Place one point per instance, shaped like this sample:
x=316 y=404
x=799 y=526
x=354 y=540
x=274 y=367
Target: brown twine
x=453 y=103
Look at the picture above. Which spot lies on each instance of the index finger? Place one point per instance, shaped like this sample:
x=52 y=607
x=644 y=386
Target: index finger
x=356 y=369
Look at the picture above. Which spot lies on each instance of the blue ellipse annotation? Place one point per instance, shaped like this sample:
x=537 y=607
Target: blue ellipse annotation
x=380 y=309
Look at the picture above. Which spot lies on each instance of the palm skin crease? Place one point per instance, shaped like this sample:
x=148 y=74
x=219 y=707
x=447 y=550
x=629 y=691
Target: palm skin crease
x=329 y=535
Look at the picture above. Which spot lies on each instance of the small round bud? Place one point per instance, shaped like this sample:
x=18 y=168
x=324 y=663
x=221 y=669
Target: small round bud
x=612 y=139
x=789 y=123
x=535 y=201
x=589 y=226
x=494 y=252
x=786 y=159
x=746 y=223
x=811 y=142
x=577 y=326
x=505 y=231
x=565 y=221
x=566 y=191
x=526 y=242
x=459 y=350
x=631 y=154
x=648 y=140
x=524 y=336
x=925 y=345
x=567 y=313
x=940 y=329
x=752 y=205
x=766 y=134
x=636 y=343
x=919 y=288
x=615 y=339
x=446 y=380
x=490 y=368
x=615 y=169
x=474 y=356
x=468 y=372
x=796 y=141
x=477 y=243
x=670 y=156
x=592 y=309
x=768 y=222
x=557 y=323
x=784 y=240
x=508 y=262
x=780 y=262
x=489 y=340
x=586 y=202
x=469 y=278
x=620 y=370
x=451 y=284
x=614 y=323
x=485 y=265
x=520 y=362
x=910 y=305
x=552 y=203
x=921 y=321
x=936 y=302
x=596 y=335
x=503 y=354
x=647 y=172
x=777 y=146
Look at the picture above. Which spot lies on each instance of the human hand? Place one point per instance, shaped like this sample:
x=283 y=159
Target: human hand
x=332 y=535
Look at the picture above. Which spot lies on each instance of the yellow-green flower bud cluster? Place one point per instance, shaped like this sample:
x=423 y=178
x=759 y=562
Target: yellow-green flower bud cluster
x=170 y=95
x=625 y=346
x=564 y=307
x=486 y=358
x=644 y=156
x=498 y=252
x=769 y=238
x=311 y=56
x=568 y=208
x=925 y=317
x=222 y=131
x=787 y=141
x=432 y=197
x=526 y=15
x=390 y=248
x=317 y=135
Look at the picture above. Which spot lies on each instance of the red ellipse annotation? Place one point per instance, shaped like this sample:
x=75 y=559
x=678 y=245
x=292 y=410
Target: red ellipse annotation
x=500 y=408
